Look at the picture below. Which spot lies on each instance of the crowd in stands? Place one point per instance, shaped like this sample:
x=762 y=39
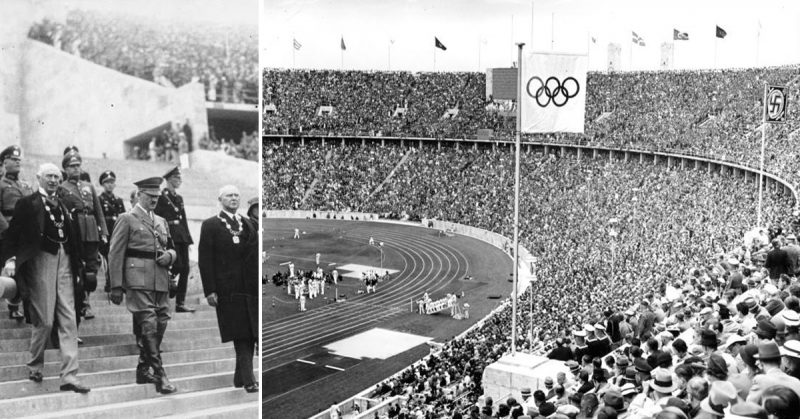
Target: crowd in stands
x=711 y=113
x=169 y=52
x=246 y=148
x=632 y=255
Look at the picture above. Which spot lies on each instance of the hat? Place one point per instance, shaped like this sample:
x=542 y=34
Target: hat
x=627 y=389
x=766 y=330
x=678 y=403
x=642 y=366
x=526 y=391
x=174 y=171
x=767 y=351
x=746 y=410
x=12 y=150
x=748 y=354
x=71 y=149
x=716 y=365
x=252 y=201
x=708 y=337
x=548 y=382
x=791 y=318
x=613 y=398
x=791 y=237
x=546 y=409
x=623 y=362
x=742 y=384
x=70 y=158
x=770 y=289
x=108 y=174
x=579 y=333
x=720 y=395
x=630 y=374
x=734 y=339
x=705 y=311
x=751 y=303
x=149 y=186
x=662 y=381
x=791 y=348
x=573 y=366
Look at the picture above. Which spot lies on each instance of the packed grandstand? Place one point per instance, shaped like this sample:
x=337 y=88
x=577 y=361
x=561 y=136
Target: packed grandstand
x=636 y=256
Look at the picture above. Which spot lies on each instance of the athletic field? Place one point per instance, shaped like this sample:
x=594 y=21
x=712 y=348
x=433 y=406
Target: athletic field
x=336 y=349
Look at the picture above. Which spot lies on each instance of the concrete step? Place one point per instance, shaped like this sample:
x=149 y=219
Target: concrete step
x=118 y=318
x=208 y=401
x=123 y=348
x=59 y=401
x=102 y=308
x=237 y=411
x=102 y=327
x=17 y=345
x=50 y=384
x=92 y=365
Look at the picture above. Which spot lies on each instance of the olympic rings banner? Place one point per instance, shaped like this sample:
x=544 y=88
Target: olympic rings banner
x=553 y=92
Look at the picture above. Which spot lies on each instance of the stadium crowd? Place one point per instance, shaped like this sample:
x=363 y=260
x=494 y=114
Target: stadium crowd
x=172 y=53
x=638 y=251
x=711 y=113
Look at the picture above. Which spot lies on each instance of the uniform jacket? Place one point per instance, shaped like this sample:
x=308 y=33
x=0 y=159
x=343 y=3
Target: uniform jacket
x=135 y=230
x=170 y=206
x=11 y=191
x=113 y=207
x=82 y=201
x=231 y=271
x=24 y=237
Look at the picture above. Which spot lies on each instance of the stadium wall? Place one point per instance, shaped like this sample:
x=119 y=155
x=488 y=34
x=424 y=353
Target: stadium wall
x=66 y=100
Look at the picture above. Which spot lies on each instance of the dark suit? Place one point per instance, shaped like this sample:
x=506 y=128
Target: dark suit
x=230 y=270
x=48 y=275
x=170 y=207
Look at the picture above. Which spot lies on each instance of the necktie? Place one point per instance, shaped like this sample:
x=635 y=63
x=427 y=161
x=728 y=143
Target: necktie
x=235 y=222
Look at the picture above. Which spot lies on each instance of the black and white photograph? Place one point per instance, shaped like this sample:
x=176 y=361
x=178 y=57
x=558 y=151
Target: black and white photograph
x=530 y=209
x=130 y=173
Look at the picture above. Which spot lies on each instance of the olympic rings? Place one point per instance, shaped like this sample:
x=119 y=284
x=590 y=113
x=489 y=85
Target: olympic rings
x=553 y=90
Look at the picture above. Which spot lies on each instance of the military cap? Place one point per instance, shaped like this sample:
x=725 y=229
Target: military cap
x=174 y=171
x=252 y=201
x=149 y=186
x=71 y=149
x=108 y=174
x=71 y=158
x=12 y=150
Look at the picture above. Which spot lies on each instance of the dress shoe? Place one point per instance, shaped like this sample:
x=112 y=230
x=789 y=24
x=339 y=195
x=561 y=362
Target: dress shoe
x=35 y=376
x=15 y=313
x=87 y=312
x=183 y=308
x=251 y=388
x=76 y=387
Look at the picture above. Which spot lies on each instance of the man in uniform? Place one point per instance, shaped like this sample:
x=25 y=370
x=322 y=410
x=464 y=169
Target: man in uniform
x=138 y=265
x=11 y=190
x=170 y=206
x=42 y=245
x=228 y=261
x=81 y=200
x=113 y=207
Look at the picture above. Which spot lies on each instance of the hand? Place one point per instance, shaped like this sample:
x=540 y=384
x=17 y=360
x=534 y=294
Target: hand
x=10 y=269
x=104 y=238
x=116 y=295
x=165 y=259
x=212 y=299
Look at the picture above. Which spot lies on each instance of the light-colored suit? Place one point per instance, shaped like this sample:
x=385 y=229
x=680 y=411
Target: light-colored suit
x=775 y=377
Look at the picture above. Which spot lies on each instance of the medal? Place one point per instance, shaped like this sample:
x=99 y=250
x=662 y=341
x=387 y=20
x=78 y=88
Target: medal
x=234 y=233
x=236 y=239
x=60 y=233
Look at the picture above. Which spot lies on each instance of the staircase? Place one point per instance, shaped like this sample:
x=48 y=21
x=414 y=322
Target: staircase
x=391 y=174
x=196 y=361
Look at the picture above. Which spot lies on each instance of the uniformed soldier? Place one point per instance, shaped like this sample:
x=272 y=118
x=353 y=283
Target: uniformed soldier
x=81 y=200
x=113 y=207
x=139 y=258
x=170 y=206
x=11 y=190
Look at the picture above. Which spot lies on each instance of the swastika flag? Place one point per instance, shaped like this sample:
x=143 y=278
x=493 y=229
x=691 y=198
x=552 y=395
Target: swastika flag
x=553 y=92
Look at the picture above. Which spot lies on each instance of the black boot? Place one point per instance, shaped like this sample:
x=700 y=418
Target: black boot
x=163 y=386
x=143 y=374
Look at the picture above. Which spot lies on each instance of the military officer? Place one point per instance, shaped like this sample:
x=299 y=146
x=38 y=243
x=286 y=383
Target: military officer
x=81 y=200
x=139 y=258
x=170 y=206
x=11 y=190
x=112 y=206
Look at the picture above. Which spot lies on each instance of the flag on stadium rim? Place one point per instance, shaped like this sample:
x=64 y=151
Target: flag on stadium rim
x=344 y=47
x=680 y=36
x=297 y=45
x=439 y=44
x=637 y=39
x=721 y=33
x=553 y=92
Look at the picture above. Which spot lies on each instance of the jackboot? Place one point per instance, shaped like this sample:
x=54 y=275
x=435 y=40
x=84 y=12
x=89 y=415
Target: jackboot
x=143 y=374
x=163 y=386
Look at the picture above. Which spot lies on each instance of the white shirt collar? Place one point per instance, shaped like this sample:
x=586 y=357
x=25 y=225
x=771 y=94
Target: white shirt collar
x=231 y=215
x=43 y=192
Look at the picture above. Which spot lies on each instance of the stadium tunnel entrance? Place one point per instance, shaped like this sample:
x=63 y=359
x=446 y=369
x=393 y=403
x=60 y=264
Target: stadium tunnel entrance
x=137 y=147
x=228 y=121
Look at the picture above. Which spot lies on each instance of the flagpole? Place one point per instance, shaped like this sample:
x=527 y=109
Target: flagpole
x=716 y=41
x=761 y=166
x=389 y=54
x=758 y=41
x=516 y=201
x=552 y=30
x=434 y=57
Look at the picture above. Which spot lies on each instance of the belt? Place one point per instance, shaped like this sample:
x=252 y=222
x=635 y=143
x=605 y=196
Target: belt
x=140 y=254
x=174 y=222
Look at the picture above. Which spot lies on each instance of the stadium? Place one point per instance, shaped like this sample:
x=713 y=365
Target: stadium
x=654 y=280
x=139 y=89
